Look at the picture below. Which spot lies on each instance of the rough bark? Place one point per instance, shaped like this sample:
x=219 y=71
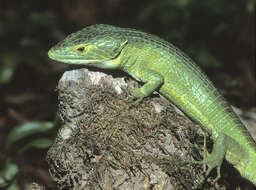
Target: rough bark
x=110 y=141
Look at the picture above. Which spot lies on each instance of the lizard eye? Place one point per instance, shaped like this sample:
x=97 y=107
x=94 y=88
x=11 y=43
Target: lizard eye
x=80 y=49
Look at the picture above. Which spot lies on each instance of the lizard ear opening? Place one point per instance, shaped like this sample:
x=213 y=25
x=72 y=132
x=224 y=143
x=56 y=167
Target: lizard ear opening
x=119 y=49
x=123 y=44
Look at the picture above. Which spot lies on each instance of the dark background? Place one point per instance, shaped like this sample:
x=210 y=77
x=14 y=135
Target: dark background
x=218 y=35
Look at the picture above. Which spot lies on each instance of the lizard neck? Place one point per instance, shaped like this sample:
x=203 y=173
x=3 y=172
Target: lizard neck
x=127 y=59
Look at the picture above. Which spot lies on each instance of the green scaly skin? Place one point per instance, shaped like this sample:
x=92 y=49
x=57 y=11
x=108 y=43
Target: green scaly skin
x=163 y=67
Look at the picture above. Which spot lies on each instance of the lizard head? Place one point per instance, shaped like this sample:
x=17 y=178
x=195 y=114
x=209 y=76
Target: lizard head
x=95 y=45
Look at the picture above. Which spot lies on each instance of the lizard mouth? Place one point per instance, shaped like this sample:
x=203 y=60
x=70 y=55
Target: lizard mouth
x=72 y=59
x=59 y=57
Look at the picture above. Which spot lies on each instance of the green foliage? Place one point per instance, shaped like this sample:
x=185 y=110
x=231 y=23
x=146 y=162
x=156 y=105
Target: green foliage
x=40 y=143
x=14 y=186
x=8 y=176
x=29 y=135
x=6 y=71
x=251 y=6
x=207 y=60
x=26 y=130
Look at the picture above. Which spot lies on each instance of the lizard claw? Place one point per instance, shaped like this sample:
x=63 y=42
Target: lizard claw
x=136 y=102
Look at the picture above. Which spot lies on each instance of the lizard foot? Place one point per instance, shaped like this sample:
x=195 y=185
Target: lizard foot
x=138 y=95
x=136 y=102
x=215 y=158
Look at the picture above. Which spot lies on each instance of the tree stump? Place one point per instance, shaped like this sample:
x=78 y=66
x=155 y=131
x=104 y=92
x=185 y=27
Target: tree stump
x=108 y=141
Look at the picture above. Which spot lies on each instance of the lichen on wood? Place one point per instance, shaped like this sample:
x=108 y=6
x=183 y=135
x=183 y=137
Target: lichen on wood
x=108 y=142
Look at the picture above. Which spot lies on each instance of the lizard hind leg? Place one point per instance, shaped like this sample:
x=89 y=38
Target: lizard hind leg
x=216 y=157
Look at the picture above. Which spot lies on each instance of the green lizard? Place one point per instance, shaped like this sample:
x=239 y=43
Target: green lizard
x=163 y=67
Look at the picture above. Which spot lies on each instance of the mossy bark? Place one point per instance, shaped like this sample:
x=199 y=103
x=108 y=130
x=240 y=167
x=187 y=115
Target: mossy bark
x=108 y=141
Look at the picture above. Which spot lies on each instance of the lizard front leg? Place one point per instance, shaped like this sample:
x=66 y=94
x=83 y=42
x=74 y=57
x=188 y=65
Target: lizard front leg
x=152 y=80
